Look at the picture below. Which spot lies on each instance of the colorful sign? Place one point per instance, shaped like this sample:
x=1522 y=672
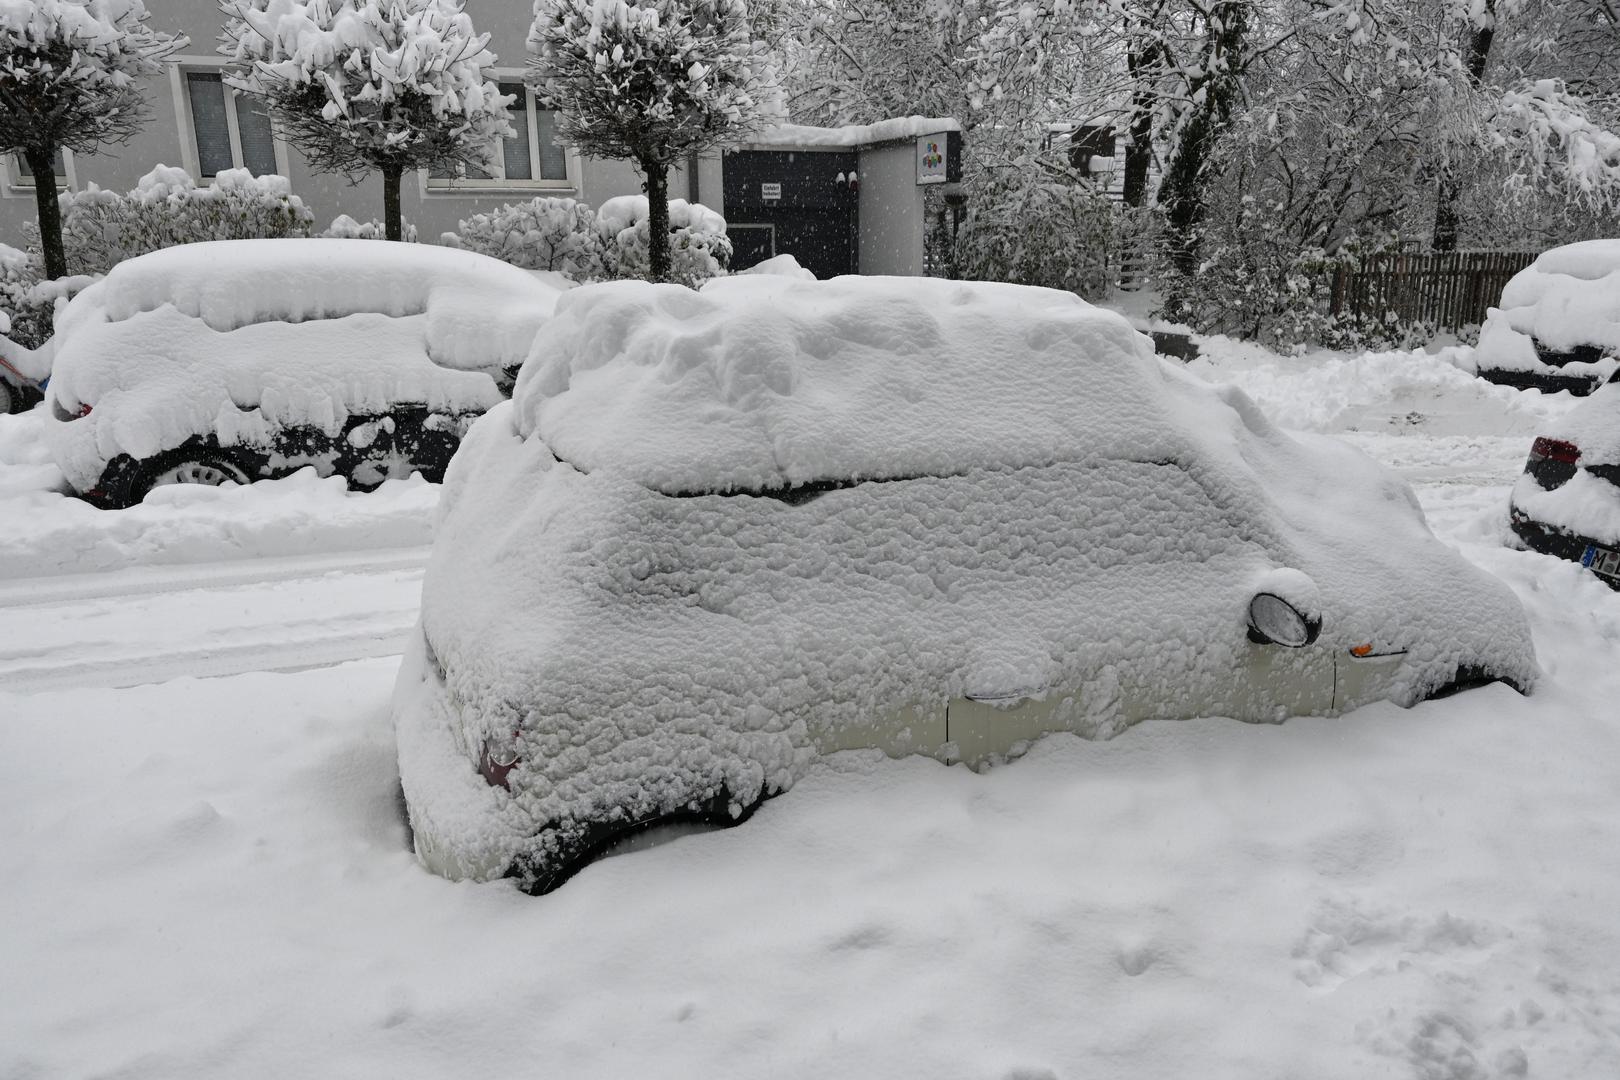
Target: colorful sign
x=932 y=158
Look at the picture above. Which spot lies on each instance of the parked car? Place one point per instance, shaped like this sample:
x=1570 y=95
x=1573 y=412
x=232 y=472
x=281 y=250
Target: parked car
x=1558 y=326
x=233 y=361
x=716 y=534
x=1567 y=501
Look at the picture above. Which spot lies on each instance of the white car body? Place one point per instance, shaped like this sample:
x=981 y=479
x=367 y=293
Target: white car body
x=1564 y=306
x=717 y=534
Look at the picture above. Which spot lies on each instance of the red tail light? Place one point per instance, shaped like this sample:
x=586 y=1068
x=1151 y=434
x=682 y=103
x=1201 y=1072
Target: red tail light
x=1555 y=450
x=84 y=410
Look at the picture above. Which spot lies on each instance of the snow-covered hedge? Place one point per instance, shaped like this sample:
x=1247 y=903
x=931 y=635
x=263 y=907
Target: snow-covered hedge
x=699 y=247
x=610 y=244
x=28 y=302
x=344 y=227
x=102 y=228
x=541 y=234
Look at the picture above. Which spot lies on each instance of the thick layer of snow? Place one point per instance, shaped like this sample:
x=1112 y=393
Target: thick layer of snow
x=1065 y=511
x=784 y=264
x=209 y=877
x=853 y=135
x=1569 y=296
x=242 y=338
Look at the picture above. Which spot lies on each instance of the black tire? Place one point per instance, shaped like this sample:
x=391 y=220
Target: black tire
x=598 y=837
x=188 y=465
x=9 y=399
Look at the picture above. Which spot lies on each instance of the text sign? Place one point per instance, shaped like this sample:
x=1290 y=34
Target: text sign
x=770 y=191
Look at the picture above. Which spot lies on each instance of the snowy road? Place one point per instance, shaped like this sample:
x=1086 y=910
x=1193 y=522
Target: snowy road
x=152 y=624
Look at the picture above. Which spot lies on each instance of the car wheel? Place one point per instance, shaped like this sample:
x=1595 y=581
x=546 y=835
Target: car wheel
x=8 y=399
x=604 y=839
x=210 y=468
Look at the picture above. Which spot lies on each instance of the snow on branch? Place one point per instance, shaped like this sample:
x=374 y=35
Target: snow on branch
x=371 y=84
x=1553 y=138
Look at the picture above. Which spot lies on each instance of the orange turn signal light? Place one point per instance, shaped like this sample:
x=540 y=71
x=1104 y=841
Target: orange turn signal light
x=1361 y=650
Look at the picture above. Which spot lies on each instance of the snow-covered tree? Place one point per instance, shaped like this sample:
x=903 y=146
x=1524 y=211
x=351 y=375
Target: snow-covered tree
x=652 y=81
x=70 y=75
x=371 y=85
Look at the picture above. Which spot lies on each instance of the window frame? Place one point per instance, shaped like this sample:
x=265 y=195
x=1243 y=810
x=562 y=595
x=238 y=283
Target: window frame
x=18 y=185
x=179 y=67
x=440 y=186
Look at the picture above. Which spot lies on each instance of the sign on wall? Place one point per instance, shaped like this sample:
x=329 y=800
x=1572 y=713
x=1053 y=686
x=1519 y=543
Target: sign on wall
x=939 y=158
x=770 y=191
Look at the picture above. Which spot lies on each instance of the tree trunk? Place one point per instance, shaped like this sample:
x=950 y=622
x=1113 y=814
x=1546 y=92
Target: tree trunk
x=1447 y=219
x=657 y=220
x=42 y=163
x=1142 y=62
x=391 y=214
x=1181 y=192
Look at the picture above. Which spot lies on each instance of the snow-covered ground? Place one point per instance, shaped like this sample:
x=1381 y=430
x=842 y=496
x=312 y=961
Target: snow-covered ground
x=209 y=877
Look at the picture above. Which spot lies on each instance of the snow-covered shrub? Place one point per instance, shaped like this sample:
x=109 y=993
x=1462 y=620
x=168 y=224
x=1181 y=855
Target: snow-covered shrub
x=699 y=247
x=344 y=227
x=102 y=228
x=27 y=300
x=1031 y=226
x=541 y=234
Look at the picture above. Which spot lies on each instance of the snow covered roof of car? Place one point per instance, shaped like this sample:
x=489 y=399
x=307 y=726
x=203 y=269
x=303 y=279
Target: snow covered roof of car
x=480 y=310
x=768 y=381
x=1569 y=296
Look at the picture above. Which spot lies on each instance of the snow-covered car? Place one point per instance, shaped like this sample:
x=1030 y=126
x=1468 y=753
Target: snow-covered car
x=237 y=360
x=1567 y=500
x=1558 y=326
x=715 y=534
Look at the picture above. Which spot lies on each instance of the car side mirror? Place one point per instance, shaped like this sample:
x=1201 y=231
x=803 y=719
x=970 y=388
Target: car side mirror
x=1286 y=609
x=1274 y=621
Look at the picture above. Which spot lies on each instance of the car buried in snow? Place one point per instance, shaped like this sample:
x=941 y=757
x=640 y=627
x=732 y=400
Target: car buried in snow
x=718 y=533
x=237 y=360
x=1558 y=325
x=1566 y=503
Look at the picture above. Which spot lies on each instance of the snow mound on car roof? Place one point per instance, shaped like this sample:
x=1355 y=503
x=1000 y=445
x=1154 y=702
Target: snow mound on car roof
x=482 y=312
x=767 y=381
x=1568 y=297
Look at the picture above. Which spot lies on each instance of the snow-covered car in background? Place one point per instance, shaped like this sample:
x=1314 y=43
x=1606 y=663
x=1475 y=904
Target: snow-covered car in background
x=715 y=534
x=1558 y=326
x=1567 y=501
x=18 y=392
x=236 y=360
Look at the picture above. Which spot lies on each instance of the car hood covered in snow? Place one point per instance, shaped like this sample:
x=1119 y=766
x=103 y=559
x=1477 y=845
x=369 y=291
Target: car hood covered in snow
x=710 y=525
x=239 y=337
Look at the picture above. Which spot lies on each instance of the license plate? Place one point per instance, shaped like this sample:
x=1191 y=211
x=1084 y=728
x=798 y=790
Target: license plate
x=1602 y=560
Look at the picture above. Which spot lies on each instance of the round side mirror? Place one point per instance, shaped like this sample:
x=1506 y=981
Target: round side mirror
x=1274 y=621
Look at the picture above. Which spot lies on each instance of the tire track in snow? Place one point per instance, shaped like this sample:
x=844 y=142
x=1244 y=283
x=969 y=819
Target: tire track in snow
x=156 y=624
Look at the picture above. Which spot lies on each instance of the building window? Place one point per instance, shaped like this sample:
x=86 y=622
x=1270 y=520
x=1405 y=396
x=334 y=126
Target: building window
x=531 y=158
x=21 y=176
x=229 y=129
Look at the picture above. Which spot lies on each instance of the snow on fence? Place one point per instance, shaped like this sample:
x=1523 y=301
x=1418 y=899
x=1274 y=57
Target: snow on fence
x=1450 y=289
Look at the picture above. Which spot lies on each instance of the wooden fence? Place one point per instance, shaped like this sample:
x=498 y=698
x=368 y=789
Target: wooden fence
x=1451 y=289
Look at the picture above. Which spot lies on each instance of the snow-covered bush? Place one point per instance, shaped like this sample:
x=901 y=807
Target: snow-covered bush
x=699 y=247
x=166 y=207
x=27 y=300
x=344 y=227
x=371 y=85
x=1031 y=226
x=541 y=234
x=70 y=74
